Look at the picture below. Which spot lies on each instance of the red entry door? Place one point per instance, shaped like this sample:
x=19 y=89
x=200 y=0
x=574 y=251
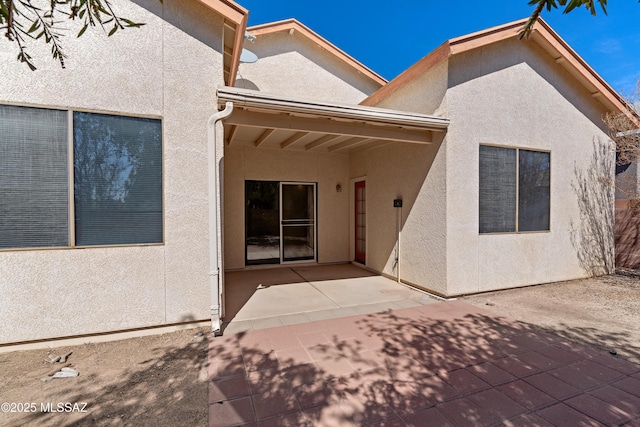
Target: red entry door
x=361 y=231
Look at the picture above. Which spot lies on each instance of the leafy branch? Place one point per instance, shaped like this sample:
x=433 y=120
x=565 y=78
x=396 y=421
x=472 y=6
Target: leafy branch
x=21 y=20
x=569 y=5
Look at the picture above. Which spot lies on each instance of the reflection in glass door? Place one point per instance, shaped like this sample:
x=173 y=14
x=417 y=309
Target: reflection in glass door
x=360 y=222
x=262 y=219
x=279 y=222
x=298 y=221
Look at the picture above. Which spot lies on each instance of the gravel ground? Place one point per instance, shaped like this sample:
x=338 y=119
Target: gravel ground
x=158 y=380
x=603 y=312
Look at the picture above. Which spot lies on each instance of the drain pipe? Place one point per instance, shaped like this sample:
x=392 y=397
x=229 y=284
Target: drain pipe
x=397 y=203
x=214 y=267
x=399 y=215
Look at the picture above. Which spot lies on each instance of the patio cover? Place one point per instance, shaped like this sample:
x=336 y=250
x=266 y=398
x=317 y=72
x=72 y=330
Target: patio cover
x=270 y=121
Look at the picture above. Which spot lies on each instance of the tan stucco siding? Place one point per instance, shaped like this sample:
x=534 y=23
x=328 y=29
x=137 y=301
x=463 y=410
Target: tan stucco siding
x=291 y=65
x=167 y=69
x=513 y=94
x=430 y=88
x=325 y=169
x=415 y=174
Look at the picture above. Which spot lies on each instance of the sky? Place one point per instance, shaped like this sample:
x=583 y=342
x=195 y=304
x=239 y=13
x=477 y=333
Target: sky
x=389 y=36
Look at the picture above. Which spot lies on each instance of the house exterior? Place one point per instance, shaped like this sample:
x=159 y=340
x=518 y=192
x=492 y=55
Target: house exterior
x=536 y=96
x=478 y=168
x=164 y=74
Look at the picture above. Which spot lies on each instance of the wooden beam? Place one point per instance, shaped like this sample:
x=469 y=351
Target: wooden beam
x=232 y=133
x=320 y=142
x=349 y=143
x=370 y=145
x=418 y=69
x=265 y=135
x=323 y=125
x=293 y=139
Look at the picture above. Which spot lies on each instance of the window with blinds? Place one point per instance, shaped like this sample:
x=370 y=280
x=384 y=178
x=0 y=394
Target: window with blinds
x=117 y=164
x=34 y=177
x=514 y=190
x=117 y=179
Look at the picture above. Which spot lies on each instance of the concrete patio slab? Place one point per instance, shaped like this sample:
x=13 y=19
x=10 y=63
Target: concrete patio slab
x=439 y=364
x=280 y=300
x=290 y=295
x=362 y=290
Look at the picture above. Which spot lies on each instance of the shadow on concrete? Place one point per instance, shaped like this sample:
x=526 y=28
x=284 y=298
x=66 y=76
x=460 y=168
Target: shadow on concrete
x=453 y=365
x=240 y=286
x=443 y=364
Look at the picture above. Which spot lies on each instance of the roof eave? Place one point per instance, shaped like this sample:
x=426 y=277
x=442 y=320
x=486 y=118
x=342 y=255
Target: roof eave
x=295 y=25
x=542 y=34
x=580 y=69
x=253 y=99
x=235 y=21
x=442 y=53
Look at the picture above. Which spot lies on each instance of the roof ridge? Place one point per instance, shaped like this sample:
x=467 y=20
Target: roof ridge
x=293 y=24
x=541 y=33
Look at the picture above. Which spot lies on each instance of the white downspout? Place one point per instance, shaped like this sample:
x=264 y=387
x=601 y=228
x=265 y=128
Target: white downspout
x=214 y=267
x=399 y=216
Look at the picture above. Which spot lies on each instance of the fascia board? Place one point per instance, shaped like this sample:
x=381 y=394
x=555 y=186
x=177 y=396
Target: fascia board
x=236 y=15
x=295 y=25
x=250 y=99
x=542 y=34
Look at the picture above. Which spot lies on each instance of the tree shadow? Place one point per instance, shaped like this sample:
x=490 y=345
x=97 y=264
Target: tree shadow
x=404 y=367
x=169 y=388
x=592 y=236
x=621 y=342
x=241 y=286
x=390 y=368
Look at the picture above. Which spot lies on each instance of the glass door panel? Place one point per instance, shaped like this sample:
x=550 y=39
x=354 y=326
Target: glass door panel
x=298 y=221
x=298 y=242
x=360 y=222
x=262 y=204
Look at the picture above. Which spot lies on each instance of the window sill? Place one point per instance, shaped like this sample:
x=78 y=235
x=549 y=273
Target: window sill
x=62 y=248
x=508 y=233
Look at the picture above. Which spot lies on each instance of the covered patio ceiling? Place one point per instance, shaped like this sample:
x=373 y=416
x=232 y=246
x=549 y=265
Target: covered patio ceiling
x=276 y=122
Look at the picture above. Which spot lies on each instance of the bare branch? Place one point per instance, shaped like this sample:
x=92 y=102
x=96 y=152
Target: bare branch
x=624 y=130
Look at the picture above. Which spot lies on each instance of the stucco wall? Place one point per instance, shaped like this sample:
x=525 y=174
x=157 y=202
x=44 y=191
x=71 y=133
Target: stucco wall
x=327 y=170
x=425 y=94
x=512 y=93
x=168 y=69
x=417 y=175
x=291 y=65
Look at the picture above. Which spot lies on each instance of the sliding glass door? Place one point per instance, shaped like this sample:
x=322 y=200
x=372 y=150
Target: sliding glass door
x=298 y=222
x=262 y=219
x=280 y=222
